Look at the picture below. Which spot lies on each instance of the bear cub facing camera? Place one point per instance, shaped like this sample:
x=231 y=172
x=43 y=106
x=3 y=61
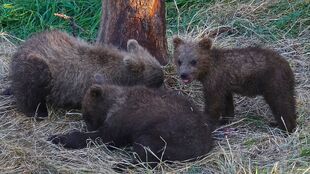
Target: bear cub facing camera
x=168 y=124
x=53 y=67
x=247 y=71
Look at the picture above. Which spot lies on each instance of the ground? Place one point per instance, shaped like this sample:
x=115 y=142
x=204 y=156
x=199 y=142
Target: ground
x=248 y=145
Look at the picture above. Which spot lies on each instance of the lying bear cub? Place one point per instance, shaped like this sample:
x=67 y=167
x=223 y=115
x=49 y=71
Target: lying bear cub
x=53 y=67
x=168 y=124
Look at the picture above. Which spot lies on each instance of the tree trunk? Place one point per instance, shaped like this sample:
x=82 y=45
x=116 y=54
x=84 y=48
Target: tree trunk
x=143 y=20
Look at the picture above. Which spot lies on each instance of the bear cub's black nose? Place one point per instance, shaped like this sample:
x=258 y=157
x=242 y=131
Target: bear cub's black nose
x=184 y=76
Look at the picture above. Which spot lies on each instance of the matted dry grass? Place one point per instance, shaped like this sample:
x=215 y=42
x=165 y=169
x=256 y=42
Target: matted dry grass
x=248 y=145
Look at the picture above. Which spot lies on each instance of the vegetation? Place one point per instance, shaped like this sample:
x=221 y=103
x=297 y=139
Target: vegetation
x=248 y=145
x=22 y=17
x=271 y=20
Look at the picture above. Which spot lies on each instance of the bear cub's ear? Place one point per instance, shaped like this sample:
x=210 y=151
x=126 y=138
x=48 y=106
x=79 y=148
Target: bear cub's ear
x=177 y=41
x=96 y=91
x=205 y=43
x=133 y=46
x=133 y=65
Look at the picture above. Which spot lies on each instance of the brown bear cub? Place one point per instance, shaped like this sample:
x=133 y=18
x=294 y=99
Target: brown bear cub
x=247 y=71
x=168 y=124
x=54 y=67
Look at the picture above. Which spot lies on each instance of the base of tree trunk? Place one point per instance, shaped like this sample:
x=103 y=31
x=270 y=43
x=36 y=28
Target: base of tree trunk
x=143 y=20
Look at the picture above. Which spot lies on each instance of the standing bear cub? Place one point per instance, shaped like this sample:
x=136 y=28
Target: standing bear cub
x=247 y=71
x=168 y=124
x=54 y=67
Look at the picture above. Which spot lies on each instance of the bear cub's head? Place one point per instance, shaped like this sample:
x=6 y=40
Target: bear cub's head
x=143 y=65
x=98 y=102
x=191 y=58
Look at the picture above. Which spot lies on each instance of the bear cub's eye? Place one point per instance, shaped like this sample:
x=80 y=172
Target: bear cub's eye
x=193 y=62
x=179 y=62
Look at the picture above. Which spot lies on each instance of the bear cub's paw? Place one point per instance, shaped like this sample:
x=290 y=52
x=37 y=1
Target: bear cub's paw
x=73 y=140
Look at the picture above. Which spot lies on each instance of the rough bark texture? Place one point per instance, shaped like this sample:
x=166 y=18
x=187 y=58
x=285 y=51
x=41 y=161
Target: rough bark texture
x=143 y=20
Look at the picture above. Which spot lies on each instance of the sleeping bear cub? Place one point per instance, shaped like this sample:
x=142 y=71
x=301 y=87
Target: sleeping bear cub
x=56 y=68
x=168 y=124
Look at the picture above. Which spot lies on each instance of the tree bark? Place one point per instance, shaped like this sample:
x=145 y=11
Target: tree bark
x=143 y=20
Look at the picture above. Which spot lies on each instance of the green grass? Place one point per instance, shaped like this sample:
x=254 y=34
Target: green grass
x=289 y=18
x=186 y=12
x=305 y=152
x=23 y=17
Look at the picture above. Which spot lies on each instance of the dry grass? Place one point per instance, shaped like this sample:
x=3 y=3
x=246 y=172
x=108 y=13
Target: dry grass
x=248 y=145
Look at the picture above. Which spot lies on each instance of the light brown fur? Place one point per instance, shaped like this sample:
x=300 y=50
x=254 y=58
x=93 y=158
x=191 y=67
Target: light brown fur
x=54 y=67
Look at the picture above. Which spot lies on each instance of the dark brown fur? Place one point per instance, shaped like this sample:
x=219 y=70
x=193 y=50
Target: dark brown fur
x=166 y=123
x=246 y=71
x=57 y=68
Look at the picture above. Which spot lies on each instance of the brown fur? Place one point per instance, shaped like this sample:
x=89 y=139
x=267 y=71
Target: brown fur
x=166 y=123
x=246 y=71
x=57 y=68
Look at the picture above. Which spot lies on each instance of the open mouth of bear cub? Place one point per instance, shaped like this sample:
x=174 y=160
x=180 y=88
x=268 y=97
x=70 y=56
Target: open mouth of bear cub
x=187 y=80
